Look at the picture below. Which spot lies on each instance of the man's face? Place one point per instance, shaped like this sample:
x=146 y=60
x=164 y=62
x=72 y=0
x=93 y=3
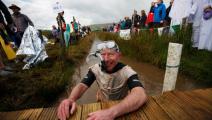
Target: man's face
x=15 y=10
x=171 y=2
x=135 y=12
x=111 y=58
x=159 y=1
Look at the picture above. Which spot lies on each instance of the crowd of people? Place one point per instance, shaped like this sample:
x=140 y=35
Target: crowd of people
x=12 y=28
x=69 y=32
x=157 y=17
x=196 y=13
x=116 y=81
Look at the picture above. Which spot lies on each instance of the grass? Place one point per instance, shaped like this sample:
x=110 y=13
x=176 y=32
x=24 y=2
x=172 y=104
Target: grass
x=151 y=48
x=43 y=84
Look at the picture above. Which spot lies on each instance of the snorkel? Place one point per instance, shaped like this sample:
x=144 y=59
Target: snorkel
x=99 y=47
x=97 y=55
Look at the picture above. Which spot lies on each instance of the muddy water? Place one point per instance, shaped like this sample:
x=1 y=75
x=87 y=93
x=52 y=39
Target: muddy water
x=151 y=77
x=90 y=95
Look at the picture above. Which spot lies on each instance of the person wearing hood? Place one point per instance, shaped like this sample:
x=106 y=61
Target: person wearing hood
x=205 y=39
x=197 y=15
x=21 y=22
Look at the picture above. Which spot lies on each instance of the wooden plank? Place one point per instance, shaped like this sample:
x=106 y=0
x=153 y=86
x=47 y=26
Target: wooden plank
x=35 y=114
x=25 y=114
x=136 y=115
x=171 y=107
x=191 y=109
x=88 y=108
x=53 y=113
x=45 y=114
x=199 y=108
x=195 y=104
x=11 y=115
x=153 y=111
x=77 y=114
x=2 y=114
x=106 y=105
x=199 y=100
x=205 y=94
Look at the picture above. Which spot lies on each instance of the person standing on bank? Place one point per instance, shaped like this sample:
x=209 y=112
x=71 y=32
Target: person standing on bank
x=159 y=13
x=143 y=19
x=21 y=22
x=135 y=21
x=116 y=81
x=4 y=16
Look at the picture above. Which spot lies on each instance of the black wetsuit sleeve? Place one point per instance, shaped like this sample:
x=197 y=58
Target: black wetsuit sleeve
x=133 y=81
x=89 y=78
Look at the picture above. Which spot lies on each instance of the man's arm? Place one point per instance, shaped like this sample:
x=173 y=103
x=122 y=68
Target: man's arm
x=6 y=13
x=28 y=20
x=78 y=91
x=68 y=105
x=132 y=102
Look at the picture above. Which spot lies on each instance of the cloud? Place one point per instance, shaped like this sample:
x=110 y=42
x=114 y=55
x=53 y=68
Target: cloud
x=86 y=11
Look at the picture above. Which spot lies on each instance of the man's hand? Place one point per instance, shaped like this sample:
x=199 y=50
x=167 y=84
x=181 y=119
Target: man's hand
x=65 y=108
x=106 y=114
x=1 y=26
x=12 y=27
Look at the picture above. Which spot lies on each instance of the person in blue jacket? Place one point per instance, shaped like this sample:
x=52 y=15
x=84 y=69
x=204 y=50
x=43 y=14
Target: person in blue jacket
x=159 y=13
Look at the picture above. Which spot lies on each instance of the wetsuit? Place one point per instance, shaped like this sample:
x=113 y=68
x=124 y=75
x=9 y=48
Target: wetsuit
x=113 y=85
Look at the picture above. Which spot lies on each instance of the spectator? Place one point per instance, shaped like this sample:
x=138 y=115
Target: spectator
x=150 y=17
x=205 y=39
x=21 y=22
x=128 y=23
x=135 y=20
x=122 y=24
x=197 y=16
x=62 y=27
x=75 y=25
x=55 y=33
x=143 y=19
x=159 y=13
x=167 y=18
x=4 y=14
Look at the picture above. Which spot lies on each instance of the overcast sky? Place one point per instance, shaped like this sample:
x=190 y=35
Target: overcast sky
x=86 y=11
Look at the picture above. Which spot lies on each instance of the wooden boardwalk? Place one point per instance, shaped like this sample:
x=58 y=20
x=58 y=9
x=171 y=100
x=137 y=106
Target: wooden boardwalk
x=175 y=105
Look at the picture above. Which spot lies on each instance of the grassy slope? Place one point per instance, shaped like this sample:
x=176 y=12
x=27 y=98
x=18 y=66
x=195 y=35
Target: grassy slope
x=41 y=85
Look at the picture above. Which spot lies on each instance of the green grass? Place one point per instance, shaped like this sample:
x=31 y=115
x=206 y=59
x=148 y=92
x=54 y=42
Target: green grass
x=151 y=48
x=43 y=84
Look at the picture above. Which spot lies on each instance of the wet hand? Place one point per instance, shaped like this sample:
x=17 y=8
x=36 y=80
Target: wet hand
x=101 y=115
x=65 y=108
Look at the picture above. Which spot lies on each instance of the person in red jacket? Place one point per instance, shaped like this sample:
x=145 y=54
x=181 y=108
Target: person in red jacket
x=150 y=17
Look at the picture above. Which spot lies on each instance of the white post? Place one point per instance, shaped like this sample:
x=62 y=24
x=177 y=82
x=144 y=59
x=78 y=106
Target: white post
x=172 y=66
